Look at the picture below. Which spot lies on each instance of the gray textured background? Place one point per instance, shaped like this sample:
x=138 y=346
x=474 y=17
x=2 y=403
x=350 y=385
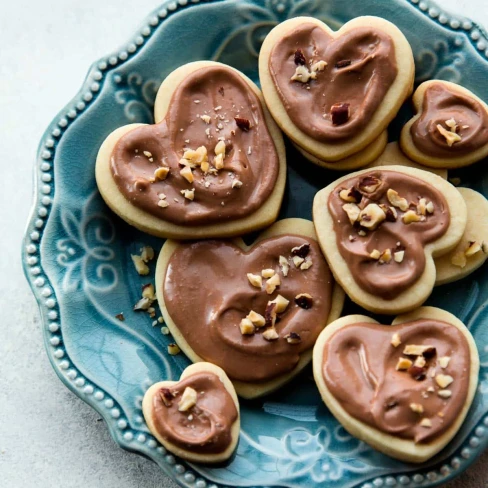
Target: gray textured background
x=48 y=437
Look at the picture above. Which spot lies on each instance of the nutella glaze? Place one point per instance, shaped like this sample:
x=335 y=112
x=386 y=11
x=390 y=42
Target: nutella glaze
x=207 y=294
x=250 y=154
x=359 y=369
x=442 y=104
x=357 y=244
x=361 y=67
x=206 y=427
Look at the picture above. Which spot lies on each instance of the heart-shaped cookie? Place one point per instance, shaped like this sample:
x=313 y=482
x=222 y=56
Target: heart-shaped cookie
x=405 y=389
x=450 y=129
x=471 y=251
x=380 y=229
x=197 y=417
x=256 y=310
x=213 y=165
x=334 y=93
x=357 y=160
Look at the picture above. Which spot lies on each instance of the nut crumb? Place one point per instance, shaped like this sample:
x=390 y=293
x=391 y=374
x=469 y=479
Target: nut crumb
x=472 y=249
x=188 y=400
x=272 y=283
x=425 y=422
x=187 y=173
x=375 y=254
x=445 y=393
x=270 y=334
x=141 y=267
x=371 y=216
x=417 y=408
x=297 y=261
x=267 y=273
x=306 y=265
x=419 y=350
x=205 y=118
x=247 y=327
x=257 y=319
x=410 y=217
x=173 y=349
x=444 y=380
x=398 y=256
x=444 y=361
x=188 y=194
x=403 y=364
x=397 y=201
x=237 y=184
x=450 y=137
x=285 y=266
x=161 y=173
x=164 y=330
x=395 y=339
x=120 y=316
x=255 y=280
x=459 y=259
x=293 y=338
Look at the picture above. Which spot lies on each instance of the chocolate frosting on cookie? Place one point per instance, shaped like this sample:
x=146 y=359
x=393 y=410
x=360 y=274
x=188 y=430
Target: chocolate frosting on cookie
x=212 y=104
x=388 y=258
x=360 y=69
x=440 y=105
x=207 y=293
x=206 y=427
x=360 y=369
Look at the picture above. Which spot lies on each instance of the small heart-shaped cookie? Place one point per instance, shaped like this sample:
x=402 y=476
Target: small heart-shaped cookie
x=380 y=229
x=196 y=418
x=256 y=310
x=450 y=129
x=405 y=389
x=472 y=251
x=334 y=93
x=213 y=165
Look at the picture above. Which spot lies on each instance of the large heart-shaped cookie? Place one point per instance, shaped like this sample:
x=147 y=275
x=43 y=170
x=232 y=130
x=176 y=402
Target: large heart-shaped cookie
x=333 y=93
x=213 y=165
x=255 y=311
x=380 y=229
x=450 y=129
x=196 y=418
x=405 y=389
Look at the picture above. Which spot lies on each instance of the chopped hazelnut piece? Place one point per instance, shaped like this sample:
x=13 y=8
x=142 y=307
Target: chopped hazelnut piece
x=281 y=303
x=220 y=148
x=430 y=207
x=390 y=212
x=306 y=265
x=147 y=253
x=418 y=374
x=352 y=211
x=205 y=118
x=431 y=389
x=293 y=338
x=410 y=216
x=301 y=251
x=425 y=422
x=255 y=280
x=164 y=330
x=340 y=113
x=396 y=200
x=272 y=284
x=242 y=123
x=186 y=172
x=147 y=154
x=444 y=361
x=304 y=300
x=257 y=319
x=270 y=314
x=299 y=58
x=149 y=292
x=161 y=173
x=166 y=396
x=369 y=184
x=351 y=195
x=163 y=204
x=422 y=206
x=361 y=233
x=398 y=256
x=403 y=364
x=449 y=136
x=285 y=266
x=419 y=350
x=445 y=393
x=444 y=380
x=419 y=362
x=371 y=216
x=173 y=349
x=270 y=334
x=303 y=75
x=417 y=408
x=395 y=339
x=143 y=304
x=385 y=257
x=189 y=194
x=247 y=327
x=120 y=316
x=318 y=66
x=267 y=273
x=219 y=161
x=451 y=123
x=188 y=399
x=205 y=166
x=297 y=261
x=375 y=254
x=459 y=259
x=201 y=155
x=472 y=249
x=140 y=265
x=237 y=184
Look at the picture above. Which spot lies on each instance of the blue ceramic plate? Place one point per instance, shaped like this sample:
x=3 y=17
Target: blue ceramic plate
x=77 y=253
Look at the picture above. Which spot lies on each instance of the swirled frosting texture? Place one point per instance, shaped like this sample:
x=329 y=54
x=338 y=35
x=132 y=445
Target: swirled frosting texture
x=356 y=243
x=204 y=428
x=219 y=95
x=442 y=103
x=359 y=369
x=207 y=294
x=363 y=83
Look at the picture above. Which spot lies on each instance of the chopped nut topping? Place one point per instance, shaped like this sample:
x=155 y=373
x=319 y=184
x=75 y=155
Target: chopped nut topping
x=425 y=422
x=385 y=257
x=419 y=362
x=255 y=280
x=205 y=118
x=303 y=75
x=444 y=380
x=205 y=166
x=293 y=338
x=243 y=123
x=148 y=291
x=375 y=254
x=431 y=389
x=410 y=216
x=343 y=63
x=445 y=393
x=339 y=113
x=451 y=123
x=395 y=339
x=304 y=300
x=418 y=374
x=390 y=212
x=188 y=400
x=352 y=211
x=173 y=349
x=147 y=154
x=147 y=253
x=237 y=184
x=166 y=396
x=140 y=265
x=403 y=364
x=419 y=350
x=270 y=334
x=396 y=200
x=164 y=330
x=218 y=161
x=160 y=174
x=422 y=206
x=361 y=233
x=281 y=303
x=369 y=184
x=285 y=266
x=301 y=251
x=270 y=314
x=371 y=216
x=306 y=265
x=220 y=148
x=351 y=195
x=247 y=327
x=472 y=249
x=257 y=319
x=318 y=66
x=187 y=174
x=417 y=408
x=120 y=316
x=267 y=273
x=297 y=261
x=444 y=361
x=163 y=204
x=272 y=284
x=188 y=194
x=459 y=259
x=398 y=256
x=449 y=136
x=299 y=58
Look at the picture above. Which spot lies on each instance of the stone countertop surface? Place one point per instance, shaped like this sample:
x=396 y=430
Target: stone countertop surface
x=49 y=437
